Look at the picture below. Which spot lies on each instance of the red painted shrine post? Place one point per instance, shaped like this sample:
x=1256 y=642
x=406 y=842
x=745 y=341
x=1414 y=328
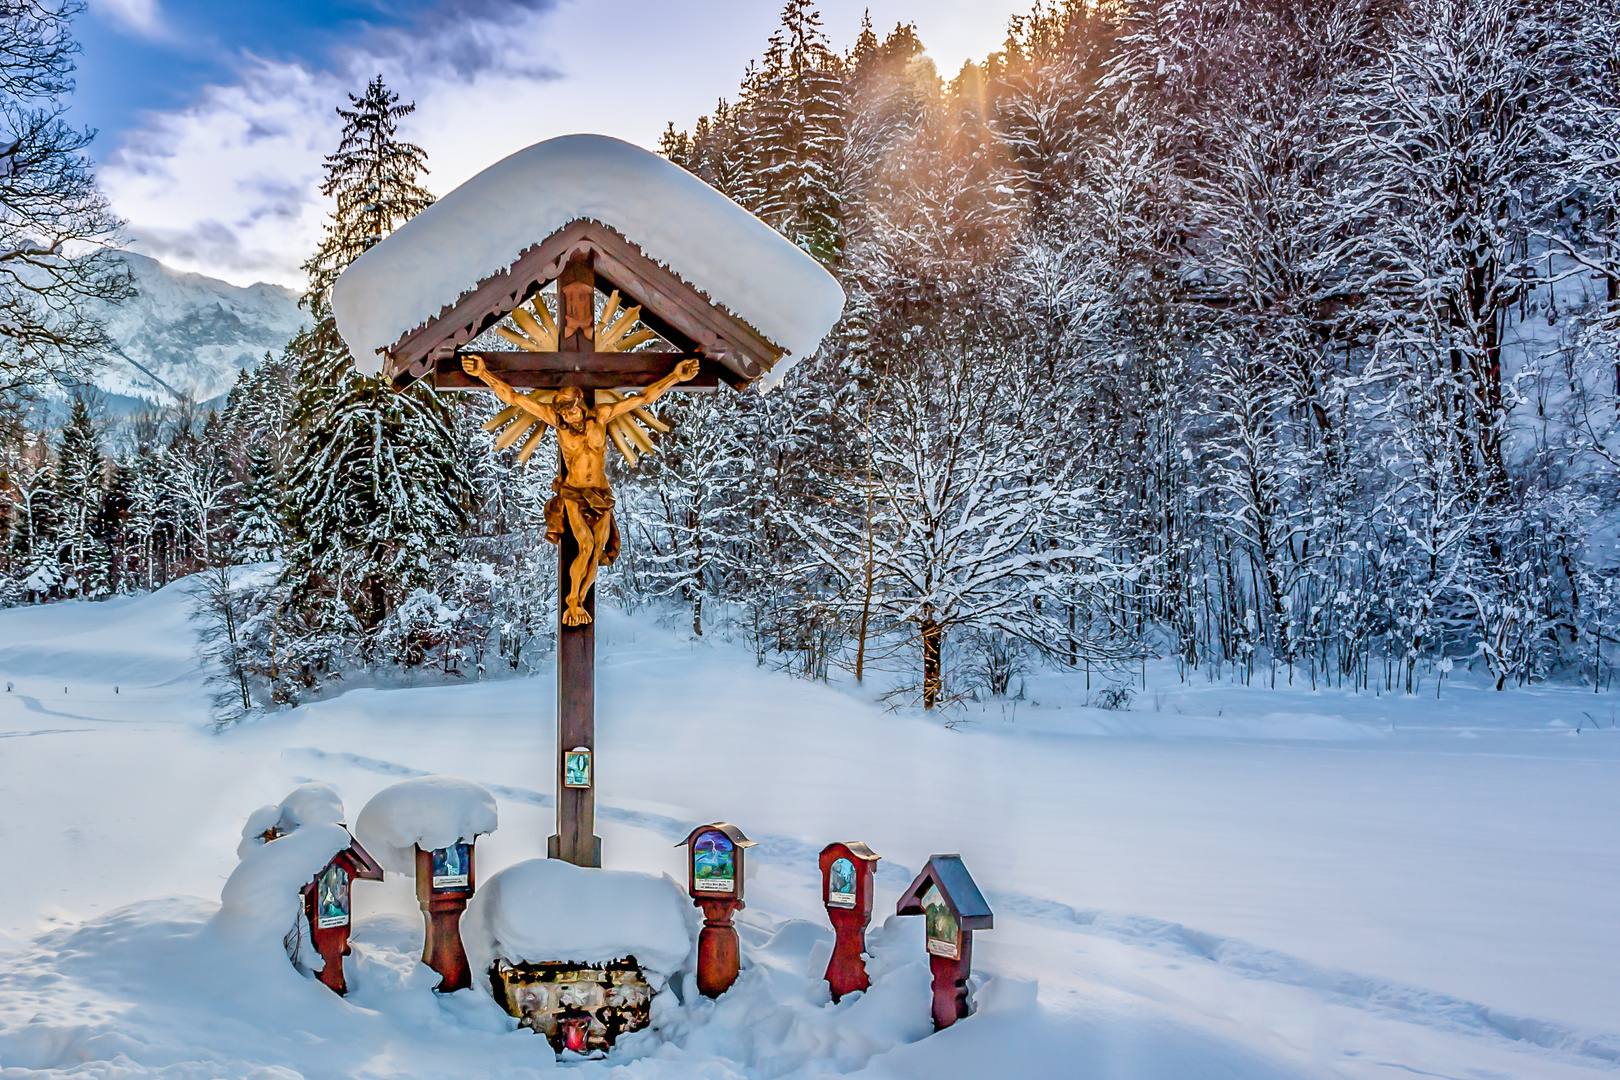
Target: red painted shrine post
x=847 y=873
x=445 y=880
x=945 y=894
x=715 y=882
x=328 y=905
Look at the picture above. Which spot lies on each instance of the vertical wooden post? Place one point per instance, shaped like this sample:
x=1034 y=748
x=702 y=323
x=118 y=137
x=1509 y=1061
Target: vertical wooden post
x=575 y=840
x=950 y=982
x=331 y=943
x=441 y=944
x=719 y=950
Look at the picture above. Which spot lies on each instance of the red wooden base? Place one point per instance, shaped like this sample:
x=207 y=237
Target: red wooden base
x=950 y=983
x=442 y=950
x=846 y=971
x=719 y=951
x=333 y=945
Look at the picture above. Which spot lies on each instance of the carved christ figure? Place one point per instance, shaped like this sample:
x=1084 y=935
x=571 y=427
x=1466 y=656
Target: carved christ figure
x=583 y=502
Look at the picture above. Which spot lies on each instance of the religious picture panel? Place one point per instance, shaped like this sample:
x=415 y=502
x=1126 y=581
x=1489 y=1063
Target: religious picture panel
x=714 y=863
x=577 y=768
x=332 y=898
x=944 y=937
x=452 y=867
x=841 y=884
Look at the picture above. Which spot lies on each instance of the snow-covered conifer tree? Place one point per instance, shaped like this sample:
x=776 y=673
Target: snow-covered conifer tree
x=258 y=514
x=374 y=487
x=81 y=469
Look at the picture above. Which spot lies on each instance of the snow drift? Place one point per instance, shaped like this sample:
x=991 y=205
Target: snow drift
x=482 y=226
x=262 y=894
x=313 y=803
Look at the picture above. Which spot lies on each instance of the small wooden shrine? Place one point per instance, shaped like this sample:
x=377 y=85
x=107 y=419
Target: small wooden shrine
x=952 y=907
x=716 y=862
x=848 y=880
x=446 y=879
x=329 y=909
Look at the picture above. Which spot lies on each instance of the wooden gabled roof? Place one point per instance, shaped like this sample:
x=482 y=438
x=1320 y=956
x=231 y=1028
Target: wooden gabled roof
x=734 y=352
x=956 y=886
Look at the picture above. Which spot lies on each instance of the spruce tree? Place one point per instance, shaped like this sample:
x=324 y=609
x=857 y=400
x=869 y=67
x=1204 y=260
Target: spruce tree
x=793 y=134
x=80 y=467
x=373 y=179
x=375 y=494
x=258 y=514
x=36 y=521
x=373 y=486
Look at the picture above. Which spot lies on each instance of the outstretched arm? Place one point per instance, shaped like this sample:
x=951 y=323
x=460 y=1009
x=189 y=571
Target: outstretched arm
x=475 y=366
x=684 y=370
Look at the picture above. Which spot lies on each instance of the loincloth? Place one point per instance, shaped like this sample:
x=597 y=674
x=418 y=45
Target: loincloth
x=593 y=504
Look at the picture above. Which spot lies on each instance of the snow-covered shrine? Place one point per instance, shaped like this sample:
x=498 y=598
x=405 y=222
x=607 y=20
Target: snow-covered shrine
x=618 y=276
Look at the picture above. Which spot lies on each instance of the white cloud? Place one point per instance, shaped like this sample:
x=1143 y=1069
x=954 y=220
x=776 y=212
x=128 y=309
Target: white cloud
x=229 y=186
x=142 y=16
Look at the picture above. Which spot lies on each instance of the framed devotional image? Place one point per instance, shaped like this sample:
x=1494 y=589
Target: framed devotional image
x=452 y=867
x=943 y=934
x=577 y=768
x=714 y=863
x=332 y=898
x=841 y=884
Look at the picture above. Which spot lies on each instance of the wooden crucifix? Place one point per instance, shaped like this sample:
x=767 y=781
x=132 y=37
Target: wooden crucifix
x=724 y=299
x=626 y=331
x=579 y=516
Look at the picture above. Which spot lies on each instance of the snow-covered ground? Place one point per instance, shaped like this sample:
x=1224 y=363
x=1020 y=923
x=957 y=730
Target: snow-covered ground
x=1221 y=882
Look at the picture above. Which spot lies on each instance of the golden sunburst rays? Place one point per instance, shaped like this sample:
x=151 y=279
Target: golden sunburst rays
x=537 y=332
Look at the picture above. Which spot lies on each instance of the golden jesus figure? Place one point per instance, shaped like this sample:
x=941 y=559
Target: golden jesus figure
x=583 y=502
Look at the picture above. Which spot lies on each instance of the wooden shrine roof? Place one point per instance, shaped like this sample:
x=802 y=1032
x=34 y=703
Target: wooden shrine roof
x=733 y=351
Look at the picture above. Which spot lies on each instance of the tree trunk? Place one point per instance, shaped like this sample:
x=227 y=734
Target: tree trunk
x=933 y=637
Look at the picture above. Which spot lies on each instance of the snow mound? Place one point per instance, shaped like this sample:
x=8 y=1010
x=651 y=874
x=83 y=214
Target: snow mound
x=481 y=227
x=546 y=909
x=426 y=811
x=261 y=894
x=308 y=804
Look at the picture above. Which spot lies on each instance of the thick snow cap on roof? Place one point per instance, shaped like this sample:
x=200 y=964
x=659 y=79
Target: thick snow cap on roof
x=313 y=803
x=481 y=227
x=263 y=891
x=427 y=812
x=547 y=910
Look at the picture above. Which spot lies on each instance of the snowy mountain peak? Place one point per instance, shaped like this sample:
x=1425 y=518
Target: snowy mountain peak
x=186 y=334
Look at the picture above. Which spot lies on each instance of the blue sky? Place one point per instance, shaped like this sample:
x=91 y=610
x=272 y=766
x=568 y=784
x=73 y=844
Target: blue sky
x=213 y=117
x=131 y=64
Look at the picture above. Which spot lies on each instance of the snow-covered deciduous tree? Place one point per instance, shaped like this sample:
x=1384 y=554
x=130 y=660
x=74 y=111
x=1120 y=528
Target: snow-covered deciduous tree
x=1447 y=174
x=53 y=222
x=686 y=520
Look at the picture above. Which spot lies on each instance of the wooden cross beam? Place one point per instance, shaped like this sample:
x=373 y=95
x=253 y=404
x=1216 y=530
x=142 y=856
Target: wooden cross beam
x=586 y=370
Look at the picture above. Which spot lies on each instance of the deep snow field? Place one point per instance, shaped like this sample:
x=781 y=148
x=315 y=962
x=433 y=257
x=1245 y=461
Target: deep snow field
x=1220 y=882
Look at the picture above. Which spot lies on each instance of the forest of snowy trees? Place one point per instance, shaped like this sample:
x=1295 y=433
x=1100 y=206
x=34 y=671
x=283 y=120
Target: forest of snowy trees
x=1280 y=337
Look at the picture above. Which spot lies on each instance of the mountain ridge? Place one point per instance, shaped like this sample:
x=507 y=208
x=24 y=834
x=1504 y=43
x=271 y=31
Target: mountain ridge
x=188 y=335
